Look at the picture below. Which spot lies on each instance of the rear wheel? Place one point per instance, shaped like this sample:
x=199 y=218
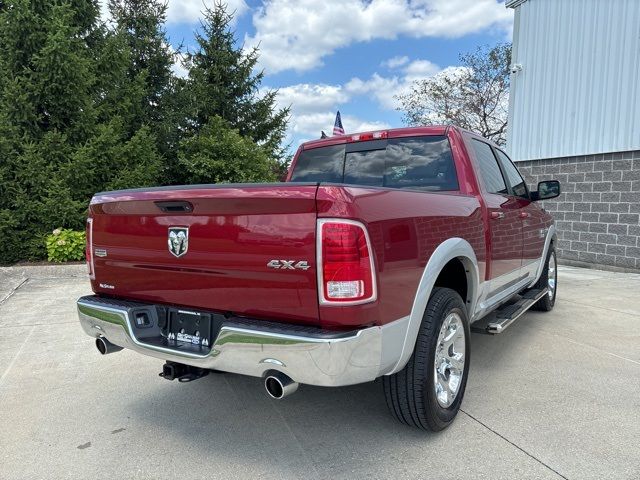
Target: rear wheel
x=548 y=280
x=428 y=391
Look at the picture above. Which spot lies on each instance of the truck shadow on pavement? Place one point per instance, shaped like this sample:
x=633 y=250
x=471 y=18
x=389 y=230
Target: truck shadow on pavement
x=230 y=418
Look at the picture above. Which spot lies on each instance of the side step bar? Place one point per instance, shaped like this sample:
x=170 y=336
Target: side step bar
x=507 y=314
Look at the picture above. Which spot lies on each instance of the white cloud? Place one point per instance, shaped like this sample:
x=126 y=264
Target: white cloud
x=298 y=34
x=395 y=62
x=308 y=126
x=306 y=98
x=384 y=89
x=454 y=71
x=355 y=124
x=420 y=69
x=313 y=109
x=313 y=106
x=190 y=11
x=187 y=11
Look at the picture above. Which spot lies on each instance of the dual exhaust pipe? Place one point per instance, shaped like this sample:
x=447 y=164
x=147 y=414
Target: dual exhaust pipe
x=277 y=384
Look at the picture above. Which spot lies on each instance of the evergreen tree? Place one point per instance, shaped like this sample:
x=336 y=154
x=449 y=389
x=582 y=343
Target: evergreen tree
x=148 y=93
x=219 y=154
x=139 y=24
x=222 y=83
x=87 y=107
x=46 y=108
x=58 y=142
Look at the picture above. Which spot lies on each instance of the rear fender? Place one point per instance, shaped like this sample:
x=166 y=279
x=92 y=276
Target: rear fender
x=445 y=252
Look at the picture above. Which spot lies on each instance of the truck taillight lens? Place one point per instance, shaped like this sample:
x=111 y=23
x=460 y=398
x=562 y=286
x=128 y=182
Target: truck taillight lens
x=345 y=263
x=89 y=247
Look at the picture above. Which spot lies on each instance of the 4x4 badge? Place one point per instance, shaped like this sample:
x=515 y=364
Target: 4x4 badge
x=178 y=240
x=288 y=265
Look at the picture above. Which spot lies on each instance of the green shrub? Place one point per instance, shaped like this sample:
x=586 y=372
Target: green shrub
x=65 y=245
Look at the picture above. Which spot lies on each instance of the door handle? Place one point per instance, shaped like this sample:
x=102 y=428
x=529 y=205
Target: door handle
x=525 y=214
x=497 y=215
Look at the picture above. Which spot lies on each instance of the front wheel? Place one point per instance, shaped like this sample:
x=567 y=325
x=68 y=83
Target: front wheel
x=428 y=391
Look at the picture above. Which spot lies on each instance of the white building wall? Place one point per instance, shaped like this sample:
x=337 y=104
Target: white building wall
x=578 y=92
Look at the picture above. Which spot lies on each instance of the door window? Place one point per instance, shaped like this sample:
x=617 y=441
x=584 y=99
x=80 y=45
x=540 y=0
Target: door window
x=489 y=169
x=518 y=185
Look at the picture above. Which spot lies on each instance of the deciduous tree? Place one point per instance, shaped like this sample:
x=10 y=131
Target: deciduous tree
x=474 y=96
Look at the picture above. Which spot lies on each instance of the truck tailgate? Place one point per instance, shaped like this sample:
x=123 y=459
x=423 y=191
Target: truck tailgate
x=210 y=247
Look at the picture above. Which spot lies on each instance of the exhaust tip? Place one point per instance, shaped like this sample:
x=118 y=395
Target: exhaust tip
x=278 y=385
x=274 y=387
x=104 y=346
x=101 y=346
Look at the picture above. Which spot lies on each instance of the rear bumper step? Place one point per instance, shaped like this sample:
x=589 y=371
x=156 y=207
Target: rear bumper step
x=244 y=346
x=507 y=314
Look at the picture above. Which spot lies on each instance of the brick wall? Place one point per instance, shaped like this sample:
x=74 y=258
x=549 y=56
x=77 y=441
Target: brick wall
x=598 y=213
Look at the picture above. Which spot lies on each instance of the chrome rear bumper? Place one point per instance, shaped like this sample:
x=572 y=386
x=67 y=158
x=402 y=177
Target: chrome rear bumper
x=311 y=358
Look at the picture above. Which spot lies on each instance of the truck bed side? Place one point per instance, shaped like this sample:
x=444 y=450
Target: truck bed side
x=405 y=228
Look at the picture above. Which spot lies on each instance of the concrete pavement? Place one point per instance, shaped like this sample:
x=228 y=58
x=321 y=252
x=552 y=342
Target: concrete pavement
x=555 y=396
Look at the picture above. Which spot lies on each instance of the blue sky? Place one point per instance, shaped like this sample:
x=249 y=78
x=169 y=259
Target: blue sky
x=351 y=55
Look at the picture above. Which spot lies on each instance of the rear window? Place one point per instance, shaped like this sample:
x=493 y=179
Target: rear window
x=423 y=163
x=324 y=164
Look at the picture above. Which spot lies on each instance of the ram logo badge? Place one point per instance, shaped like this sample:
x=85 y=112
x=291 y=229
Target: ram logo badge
x=178 y=240
x=288 y=264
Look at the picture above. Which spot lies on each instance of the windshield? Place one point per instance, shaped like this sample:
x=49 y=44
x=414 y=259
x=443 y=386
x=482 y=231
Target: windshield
x=423 y=163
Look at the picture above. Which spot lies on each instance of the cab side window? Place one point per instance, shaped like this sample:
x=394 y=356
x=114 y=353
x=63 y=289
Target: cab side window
x=518 y=185
x=489 y=169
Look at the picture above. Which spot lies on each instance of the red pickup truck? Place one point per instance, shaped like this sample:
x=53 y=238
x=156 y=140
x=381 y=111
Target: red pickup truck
x=373 y=260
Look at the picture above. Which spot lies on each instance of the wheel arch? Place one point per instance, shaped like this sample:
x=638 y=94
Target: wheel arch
x=550 y=240
x=450 y=255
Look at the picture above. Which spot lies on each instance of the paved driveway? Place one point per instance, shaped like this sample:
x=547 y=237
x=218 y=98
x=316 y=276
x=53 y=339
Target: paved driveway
x=555 y=396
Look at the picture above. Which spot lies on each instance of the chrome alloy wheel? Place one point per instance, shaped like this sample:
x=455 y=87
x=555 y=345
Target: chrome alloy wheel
x=449 y=360
x=551 y=276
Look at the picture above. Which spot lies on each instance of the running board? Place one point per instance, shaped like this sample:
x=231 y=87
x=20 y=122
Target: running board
x=504 y=316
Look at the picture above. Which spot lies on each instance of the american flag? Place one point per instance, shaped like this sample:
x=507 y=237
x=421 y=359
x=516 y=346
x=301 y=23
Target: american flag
x=337 y=127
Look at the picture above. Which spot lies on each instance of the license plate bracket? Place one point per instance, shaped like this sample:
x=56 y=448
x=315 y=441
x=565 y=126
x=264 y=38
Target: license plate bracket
x=189 y=327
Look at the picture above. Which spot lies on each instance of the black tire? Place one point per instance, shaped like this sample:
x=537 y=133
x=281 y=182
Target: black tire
x=410 y=393
x=546 y=303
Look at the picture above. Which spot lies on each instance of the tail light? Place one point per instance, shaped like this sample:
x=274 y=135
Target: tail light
x=89 y=248
x=345 y=263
